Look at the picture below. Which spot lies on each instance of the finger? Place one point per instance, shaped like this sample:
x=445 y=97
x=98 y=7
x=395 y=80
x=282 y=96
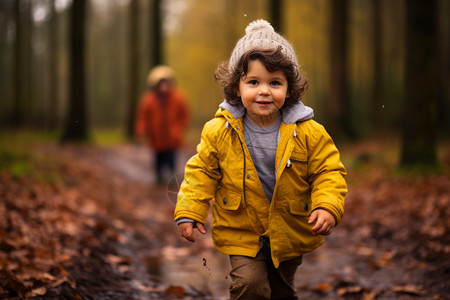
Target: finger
x=187 y=233
x=313 y=217
x=329 y=229
x=201 y=228
x=319 y=227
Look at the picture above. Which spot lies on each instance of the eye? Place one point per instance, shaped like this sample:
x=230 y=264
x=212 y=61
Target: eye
x=253 y=82
x=275 y=83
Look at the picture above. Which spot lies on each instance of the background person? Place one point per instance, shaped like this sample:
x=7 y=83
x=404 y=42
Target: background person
x=161 y=119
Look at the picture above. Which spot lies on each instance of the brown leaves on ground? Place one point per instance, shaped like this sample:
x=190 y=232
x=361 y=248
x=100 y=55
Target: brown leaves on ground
x=79 y=233
x=67 y=238
x=395 y=235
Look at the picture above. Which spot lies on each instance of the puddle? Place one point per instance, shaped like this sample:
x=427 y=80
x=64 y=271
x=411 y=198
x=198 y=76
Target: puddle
x=208 y=270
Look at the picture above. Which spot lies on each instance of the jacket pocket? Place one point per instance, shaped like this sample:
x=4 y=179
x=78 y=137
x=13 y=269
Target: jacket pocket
x=228 y=200
x=300 y=157
x=300 y=206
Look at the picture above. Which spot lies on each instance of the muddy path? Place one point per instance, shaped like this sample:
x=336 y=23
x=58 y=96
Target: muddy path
x=379 y=251
x=113 y=236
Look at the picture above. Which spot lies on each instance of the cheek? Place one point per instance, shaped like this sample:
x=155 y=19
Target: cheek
x=281 y=96
x=281 y=103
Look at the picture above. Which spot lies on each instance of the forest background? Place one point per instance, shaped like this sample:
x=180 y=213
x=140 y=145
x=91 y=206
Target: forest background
x=354 y=52
x=83 y=220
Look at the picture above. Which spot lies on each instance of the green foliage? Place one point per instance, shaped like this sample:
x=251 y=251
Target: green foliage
x=108 y=137
x=18 y=159
x=16 y=162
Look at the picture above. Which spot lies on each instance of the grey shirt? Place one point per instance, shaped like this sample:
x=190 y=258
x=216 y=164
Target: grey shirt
x=262 y=145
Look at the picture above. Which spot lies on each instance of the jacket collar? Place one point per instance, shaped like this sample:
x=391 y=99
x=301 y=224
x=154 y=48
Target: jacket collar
x=296 y=113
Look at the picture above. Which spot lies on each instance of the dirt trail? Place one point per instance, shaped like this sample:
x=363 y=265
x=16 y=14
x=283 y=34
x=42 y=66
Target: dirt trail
x=362 y=259
x=175 y=262
x=103 y=230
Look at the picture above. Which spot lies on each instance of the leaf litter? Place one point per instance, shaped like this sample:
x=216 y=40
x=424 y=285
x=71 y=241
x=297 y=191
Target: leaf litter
x=85 y=233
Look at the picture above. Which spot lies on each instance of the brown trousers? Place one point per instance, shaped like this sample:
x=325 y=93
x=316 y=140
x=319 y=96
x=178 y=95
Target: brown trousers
x=257 y=278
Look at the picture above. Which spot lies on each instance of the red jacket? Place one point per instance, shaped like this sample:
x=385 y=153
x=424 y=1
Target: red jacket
x=162 y=121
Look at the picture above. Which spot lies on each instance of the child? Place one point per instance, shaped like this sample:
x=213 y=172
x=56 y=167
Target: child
x=275 y=174
x=161 y=118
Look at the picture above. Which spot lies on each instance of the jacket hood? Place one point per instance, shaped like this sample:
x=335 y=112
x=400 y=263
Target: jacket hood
x=293 y=114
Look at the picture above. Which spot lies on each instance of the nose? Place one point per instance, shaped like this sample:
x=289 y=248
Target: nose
x=264 y=90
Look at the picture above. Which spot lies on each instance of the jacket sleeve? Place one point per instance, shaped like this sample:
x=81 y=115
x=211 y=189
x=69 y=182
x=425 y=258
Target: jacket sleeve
x=201 y=179
x=326 y=175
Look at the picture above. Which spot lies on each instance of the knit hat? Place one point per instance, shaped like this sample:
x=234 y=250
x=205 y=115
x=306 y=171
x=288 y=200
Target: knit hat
x=261 y=35
x=159 y=73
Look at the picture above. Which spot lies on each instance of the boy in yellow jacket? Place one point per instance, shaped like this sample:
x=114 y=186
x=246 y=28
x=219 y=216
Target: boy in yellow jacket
x=274 y=174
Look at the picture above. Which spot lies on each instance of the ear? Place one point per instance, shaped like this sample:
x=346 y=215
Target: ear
x=288 y=94
x=238 y=93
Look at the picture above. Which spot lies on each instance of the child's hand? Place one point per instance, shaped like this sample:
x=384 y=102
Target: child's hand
x=187 y=230
x=325 y=222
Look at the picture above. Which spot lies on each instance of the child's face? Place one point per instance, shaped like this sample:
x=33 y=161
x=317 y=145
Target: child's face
x=164 y=87
x=263 y=93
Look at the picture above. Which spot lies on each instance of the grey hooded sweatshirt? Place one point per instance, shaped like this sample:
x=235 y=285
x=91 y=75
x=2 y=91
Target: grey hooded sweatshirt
x=262 y=142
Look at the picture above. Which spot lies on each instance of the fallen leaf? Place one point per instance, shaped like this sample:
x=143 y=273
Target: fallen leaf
x=365 y=251
x=323 y=287
x=37 y=292
x=115 y=260
x=59 y=282
x=349 y=290
x=124 y=269
x=175 y=290
x=370 y=296
x=409 y=289
x=145 y=288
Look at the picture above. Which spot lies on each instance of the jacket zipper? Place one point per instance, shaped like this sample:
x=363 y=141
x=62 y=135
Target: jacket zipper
x=281 y=159
x=243 y=175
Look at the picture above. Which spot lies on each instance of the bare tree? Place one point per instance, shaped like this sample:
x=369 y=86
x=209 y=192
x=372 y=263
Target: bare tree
x=156 y=40
x=338 y=119
x=444 y=68
x=53 y=68
x=76 y=127
x=134 y=65
x=420 y=102
x=276 y=14
x=377 y=62
x=19 y=97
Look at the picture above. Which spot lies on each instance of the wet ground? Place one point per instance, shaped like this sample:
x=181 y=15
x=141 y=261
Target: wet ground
x=177 y=262
x=358 y=261
x=118 y=239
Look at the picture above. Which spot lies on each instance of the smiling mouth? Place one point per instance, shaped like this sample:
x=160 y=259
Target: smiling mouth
x=263 y=102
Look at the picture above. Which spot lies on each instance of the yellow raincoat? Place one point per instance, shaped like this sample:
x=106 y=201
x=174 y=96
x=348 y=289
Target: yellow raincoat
x=309 y=175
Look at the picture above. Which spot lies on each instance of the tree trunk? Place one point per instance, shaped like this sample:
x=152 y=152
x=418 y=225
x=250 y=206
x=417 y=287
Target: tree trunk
x=338 y=120
x=52 y=113
x=19 y=96
x=156 y=41
x=420 y=102
x=134 y=66
x=76 y=128
x=276 y=18
x=443 y=121
x=377 y=63
x=30 y=104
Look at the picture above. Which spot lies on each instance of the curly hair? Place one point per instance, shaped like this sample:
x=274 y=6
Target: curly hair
x=273 y=60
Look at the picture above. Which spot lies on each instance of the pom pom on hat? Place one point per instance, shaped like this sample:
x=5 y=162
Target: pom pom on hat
x=258 y=25
x=261 y=35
